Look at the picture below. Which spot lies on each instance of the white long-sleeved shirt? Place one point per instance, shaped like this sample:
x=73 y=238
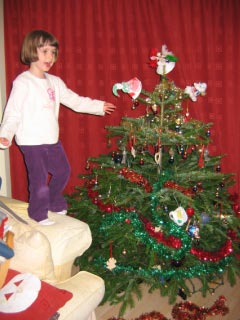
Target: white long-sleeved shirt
x=32 y=110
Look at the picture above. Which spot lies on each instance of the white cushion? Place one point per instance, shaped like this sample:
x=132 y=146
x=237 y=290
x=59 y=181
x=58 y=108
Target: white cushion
x=32 y=253
x=68 y=238
x=32 y=250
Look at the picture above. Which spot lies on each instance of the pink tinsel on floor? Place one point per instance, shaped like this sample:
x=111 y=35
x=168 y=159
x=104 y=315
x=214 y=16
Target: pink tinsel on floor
x=188 y=311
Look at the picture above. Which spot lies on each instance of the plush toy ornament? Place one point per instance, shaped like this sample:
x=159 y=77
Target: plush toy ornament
x=195 y=90
x=133 y=87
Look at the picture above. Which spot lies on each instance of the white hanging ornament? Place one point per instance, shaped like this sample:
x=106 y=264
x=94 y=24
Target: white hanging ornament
x=206 y=154
x=124 y=157
x=158 y=157
x=179 y=216
x=133 y=152
x=111 y=263
x=157 y=267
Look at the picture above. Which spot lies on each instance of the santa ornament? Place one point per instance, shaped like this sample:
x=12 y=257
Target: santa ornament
x=133 y=87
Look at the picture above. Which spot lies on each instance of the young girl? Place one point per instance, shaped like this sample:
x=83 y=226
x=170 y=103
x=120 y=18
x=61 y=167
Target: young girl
x=31 y=115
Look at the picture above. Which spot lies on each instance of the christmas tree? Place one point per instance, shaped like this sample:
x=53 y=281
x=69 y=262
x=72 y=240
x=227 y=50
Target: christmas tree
x=158 y=206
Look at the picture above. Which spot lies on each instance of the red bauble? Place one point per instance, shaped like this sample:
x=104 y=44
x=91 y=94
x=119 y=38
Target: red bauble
x=236 y=207
x=190 y=212
x=184 y=156
x=95 y=201
x=108 y=208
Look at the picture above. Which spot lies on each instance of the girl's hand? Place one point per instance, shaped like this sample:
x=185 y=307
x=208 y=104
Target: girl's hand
x=108 y=107
x=5 y=142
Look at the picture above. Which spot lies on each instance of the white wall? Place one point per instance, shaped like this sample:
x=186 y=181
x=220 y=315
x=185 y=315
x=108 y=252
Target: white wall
x=5 y=190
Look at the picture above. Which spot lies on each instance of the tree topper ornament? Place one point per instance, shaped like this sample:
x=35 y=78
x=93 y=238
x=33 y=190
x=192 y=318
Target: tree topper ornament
x=164 y=61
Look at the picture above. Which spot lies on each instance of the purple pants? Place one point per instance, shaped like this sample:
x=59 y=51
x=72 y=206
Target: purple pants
x=48 y=173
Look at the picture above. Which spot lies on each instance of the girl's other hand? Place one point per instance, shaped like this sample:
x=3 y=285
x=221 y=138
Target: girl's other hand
x=4 y=142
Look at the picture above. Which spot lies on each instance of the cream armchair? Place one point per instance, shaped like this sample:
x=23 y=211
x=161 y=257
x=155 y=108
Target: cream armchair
x=49 y=252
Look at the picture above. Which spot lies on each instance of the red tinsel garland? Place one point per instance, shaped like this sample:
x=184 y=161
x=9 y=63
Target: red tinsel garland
x=171 y=241
x=187 y=191
x=135 y=177
x=223 y=252
x=188 y=311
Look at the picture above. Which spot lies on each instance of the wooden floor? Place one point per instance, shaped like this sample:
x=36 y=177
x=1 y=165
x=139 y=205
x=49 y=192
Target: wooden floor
x=154 y=302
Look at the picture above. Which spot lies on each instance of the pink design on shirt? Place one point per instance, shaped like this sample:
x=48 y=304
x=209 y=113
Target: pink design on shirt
x=51 y=94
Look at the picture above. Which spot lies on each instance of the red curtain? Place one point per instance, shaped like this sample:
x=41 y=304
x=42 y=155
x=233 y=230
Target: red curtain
x=107 y=41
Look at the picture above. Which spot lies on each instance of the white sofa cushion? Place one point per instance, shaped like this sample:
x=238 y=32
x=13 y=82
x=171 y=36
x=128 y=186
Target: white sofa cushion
x=32 y=253
x=54 y=247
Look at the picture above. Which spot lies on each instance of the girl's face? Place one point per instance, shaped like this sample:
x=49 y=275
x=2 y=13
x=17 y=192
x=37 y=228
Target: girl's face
x=46 y=58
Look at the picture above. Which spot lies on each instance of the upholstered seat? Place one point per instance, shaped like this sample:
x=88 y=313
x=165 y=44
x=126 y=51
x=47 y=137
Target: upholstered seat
x=49 y=253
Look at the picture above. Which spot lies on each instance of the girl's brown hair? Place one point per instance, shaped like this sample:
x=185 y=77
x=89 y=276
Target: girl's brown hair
x=36 y=39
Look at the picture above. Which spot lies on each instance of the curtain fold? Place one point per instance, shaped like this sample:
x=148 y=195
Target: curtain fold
x=107 y=41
